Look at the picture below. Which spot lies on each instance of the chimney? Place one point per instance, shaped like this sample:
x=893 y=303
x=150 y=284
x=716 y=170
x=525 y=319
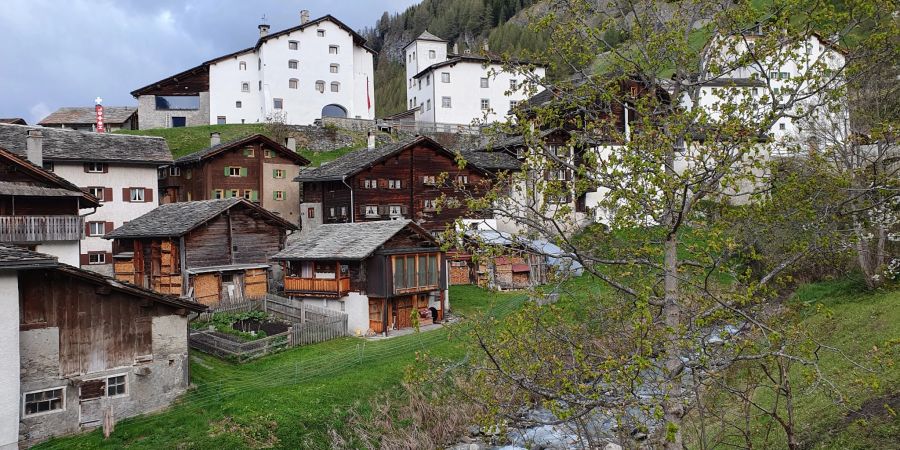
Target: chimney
x=34 y=147
x=370 y=140
x=263 y=30
x=304 y=16
x=291 y=143
x=215 y=139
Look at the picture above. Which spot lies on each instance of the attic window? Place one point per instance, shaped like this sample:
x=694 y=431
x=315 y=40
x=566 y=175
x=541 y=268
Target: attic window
x=333 y=49
x=293 y=45
x=48 y=166
x=432 y=54
x=320 y=33
x=242 y=65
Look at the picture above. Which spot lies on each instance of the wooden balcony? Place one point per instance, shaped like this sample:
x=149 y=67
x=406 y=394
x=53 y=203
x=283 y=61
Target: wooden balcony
x=316 y=287
x=31 y=229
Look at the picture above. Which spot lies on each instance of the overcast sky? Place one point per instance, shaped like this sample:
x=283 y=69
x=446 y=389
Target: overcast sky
x=68 y=52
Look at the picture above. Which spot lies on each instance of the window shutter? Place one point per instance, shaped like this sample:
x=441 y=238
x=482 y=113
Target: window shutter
x=105 y=167
x=126 y=195
x=274 y=173
x=403 y=210
x=108 y=227
x=254 y=196
x=227 y=170
x=107 y=195
x=382 y=183
x=148 y=195
x=246 y=152
x=274 y=195
x=87 y=228
x=362 y=183
x=85 y=167
x=84 y=259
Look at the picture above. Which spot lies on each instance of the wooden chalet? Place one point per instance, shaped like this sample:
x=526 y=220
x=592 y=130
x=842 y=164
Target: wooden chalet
x=402 y=180
x=379 y=273
x=208 y=250
x=255 y=168
x=88 y=348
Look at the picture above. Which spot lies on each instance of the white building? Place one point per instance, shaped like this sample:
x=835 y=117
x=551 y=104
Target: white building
x=458 y=89
x=318 y=68
x=791 y=73
x=120 y=170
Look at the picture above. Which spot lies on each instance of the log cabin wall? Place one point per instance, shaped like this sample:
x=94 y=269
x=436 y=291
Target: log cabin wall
x=253 y=239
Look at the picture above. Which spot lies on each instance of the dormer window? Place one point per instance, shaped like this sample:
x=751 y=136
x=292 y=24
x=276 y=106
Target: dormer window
x=293 y=45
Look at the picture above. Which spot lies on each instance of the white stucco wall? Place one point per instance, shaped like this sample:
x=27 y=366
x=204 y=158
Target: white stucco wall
x=9 y=360
x=67 y=252
x=304 y=104
x=354 y=304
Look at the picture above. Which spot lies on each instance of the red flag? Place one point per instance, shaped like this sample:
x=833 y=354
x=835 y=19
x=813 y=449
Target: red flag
x=101 y=127
x=368 y=99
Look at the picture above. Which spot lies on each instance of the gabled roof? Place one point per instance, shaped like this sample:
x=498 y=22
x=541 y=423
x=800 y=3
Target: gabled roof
x=425 y=36
x=15 y=257
x=359 y=160
x=347 y=241
x=472 y=59
x=176 y=219
x=13 y=120
x=70 y=145
x=88 y=115
x=216 y=149
x=59 y=187
x=492 y=160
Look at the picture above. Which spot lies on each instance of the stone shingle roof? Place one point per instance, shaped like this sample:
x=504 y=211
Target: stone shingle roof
x=491 y=160
x=61 y=186
x=87 y=115
x=69 y=145
x=15 y=257
x=356 y=161
x=176 y=219
x=344 y=241
x=215 y=149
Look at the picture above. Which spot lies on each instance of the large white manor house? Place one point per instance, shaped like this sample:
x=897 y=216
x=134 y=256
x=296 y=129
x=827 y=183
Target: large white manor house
x=318 y=68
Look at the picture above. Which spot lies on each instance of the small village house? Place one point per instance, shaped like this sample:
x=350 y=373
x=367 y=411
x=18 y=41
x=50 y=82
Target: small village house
x=403 y=180
x=255 y=168
x=208 y=250
x=318 y=68
x=38 y=209
x=120 y=170
x=84 y=118
x=384 y=275
x=79 y=348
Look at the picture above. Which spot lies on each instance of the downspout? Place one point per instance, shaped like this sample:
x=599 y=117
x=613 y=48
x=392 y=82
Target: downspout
x=352 y=208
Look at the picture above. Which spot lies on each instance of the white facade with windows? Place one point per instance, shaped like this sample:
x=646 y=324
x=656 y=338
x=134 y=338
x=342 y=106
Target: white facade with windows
x=298 y=74
x=459 y=89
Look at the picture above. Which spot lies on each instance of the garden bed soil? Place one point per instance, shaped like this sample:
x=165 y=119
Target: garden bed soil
x=270 y=327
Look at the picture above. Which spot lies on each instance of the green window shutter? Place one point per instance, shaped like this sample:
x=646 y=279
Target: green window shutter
x=254 y=196
x=243 y=171
x=212 y=194
x=274 y=195
x=226 y=170
x=246 y=152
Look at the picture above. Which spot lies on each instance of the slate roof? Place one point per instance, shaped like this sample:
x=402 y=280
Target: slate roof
x=491 y=160
x=425 y=36
x=69 y=145
x=63 y=187
x=345 y=241
x=129 y=288
x=470 y=58
x=88 y=115
x=15 y=257
x=176 y=219
x=13 y=188
x=215 y=149
x=356 y=161
x=13 y=120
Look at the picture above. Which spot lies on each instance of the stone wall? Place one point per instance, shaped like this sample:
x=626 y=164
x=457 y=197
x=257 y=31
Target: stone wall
x=150 y=117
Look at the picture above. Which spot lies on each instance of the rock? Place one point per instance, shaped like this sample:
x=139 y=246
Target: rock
x=611 y=446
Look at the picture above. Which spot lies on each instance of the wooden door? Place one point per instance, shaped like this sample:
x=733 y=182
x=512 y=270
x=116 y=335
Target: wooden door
x=403 y=310
x=376 y=315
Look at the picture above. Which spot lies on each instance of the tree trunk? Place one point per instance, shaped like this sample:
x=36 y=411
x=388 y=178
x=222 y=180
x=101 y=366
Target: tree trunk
x=672 y=405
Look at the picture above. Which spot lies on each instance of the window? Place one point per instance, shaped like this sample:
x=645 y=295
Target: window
x=96 y=258
x=415 y=272
x=278 y=103
x=419 y=83
x=512 y=105
x=335 y=86
x=310 y=213
x=332 y=49
x=484 y=82
x=44 y=401
x=245 y=87
x=782 y=126
x=97 y=191
x=429 y=180
x=394 y=184
x=428 y=80
x=320 y=86
x=95 y=167
x=137 y=195
x=485 y=104
x=177 y=102
x=48 y=166
x=238 y=104
x=445 y=77
x=249 y=152
x=785 y=75
x=462 y=179
x=278 y=173
x=755 y=92
x=293 y=64
x=429 y=205
x=370 y=184
x=292 y=83
x=115 y=386
x=371 y=211
x=773 y=75
x=218 y=193
x=161 y=174
x=428 y=104
x=220 y=120
x=242 y=65
x=330 y=212
x=234 y=193
x=259 y=84
x=235 y=171
x=278 y=195
x=445 y=102
x=96 y=228
x=258 y=63
x=343 y=211
x=513 y=85
x=395 y=211
x=293 y=45
x=320 y=33
x=333 y=68
x=432 y=54
x=188 y=174
x=174 y=171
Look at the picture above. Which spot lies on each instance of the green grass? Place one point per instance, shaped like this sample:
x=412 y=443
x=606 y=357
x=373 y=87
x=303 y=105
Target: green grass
x=291 y=399
x=186 y=140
